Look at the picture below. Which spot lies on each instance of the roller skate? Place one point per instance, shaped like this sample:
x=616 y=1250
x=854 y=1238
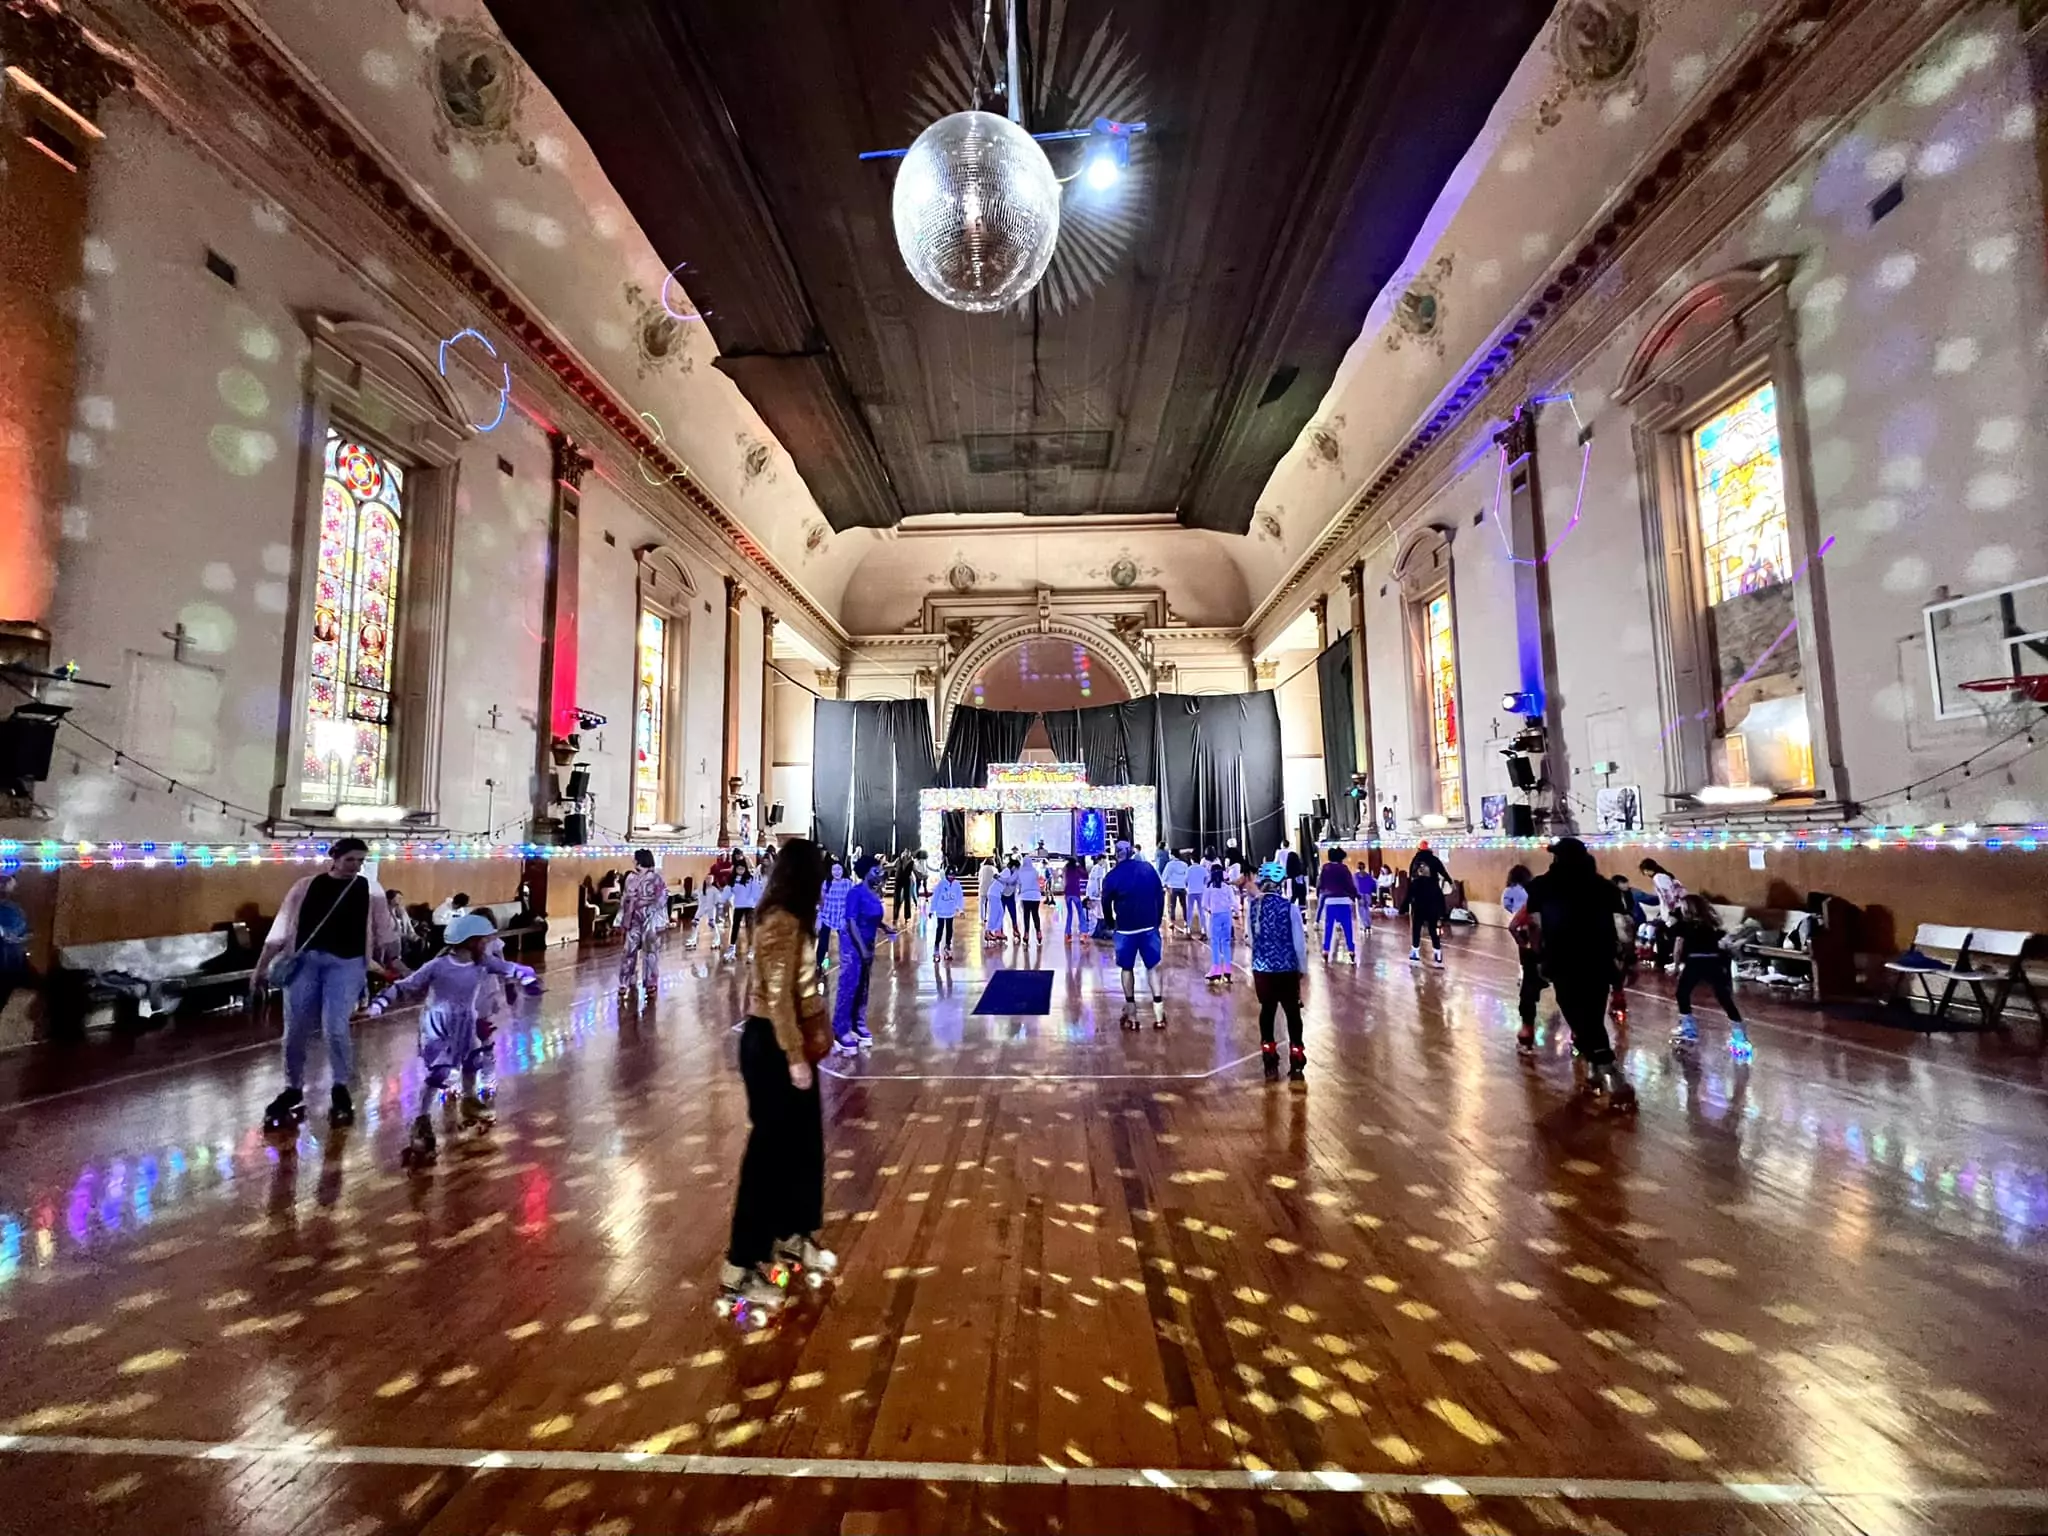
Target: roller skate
x=1437 y=958
x=1269 y=1059
x=1687 y=1036
x=1158 y=1014
x=806 y=1261
x=284 y=1112
x=475 y=1114
x=747 y=1296
x=1607 y=1083
x=863 y=1038
x=845 y=1045
x=1740 y=1050
x=1297 y=1067
x=1525 y=1042
x=421 y=1151
x=1128 y=1019
x=341 y=1109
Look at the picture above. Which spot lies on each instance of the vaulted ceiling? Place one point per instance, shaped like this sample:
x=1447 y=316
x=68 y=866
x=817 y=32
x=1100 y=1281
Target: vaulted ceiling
x=1191 y=323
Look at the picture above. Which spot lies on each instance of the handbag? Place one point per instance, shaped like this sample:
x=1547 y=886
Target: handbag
x=282 y=970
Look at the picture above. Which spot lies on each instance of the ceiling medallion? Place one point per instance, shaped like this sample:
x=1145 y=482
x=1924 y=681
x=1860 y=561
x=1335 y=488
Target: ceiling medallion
x=816 y=532
x=659 y=336
x=1076 y=79
x=960 y=575
x=1599 y=47
x=1123 y=572
x=1418 y=311
x=757 y=461
x=1267 y=526
x=1323 y=444
x=477 y=86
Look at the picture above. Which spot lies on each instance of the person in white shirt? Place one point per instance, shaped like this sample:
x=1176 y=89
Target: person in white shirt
x=1670 y=892
x=449 y=910
x=989 y=885
x=1197 y=884
x=947 y=899
x=1098 y=868
x=1175 y=876
x=1030 y=878
x=746 y=896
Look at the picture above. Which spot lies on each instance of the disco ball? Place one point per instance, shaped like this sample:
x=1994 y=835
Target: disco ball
x=977 y=211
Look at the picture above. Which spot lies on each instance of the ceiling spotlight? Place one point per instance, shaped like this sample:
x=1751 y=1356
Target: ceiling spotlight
x=1103 y=171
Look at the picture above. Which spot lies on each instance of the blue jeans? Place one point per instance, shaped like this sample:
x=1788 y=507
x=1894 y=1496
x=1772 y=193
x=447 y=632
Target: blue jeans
x=1336 y=915
x=320 y=998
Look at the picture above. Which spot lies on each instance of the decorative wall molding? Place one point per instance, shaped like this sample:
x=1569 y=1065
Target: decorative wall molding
x=1814 y=61
x=185 y=53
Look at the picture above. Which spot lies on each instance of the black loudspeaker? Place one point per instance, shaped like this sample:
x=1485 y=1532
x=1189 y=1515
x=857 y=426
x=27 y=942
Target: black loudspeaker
x=579 y=784
x=775 y=814
x=575 y=829
x=1521 y=821
x=1319 y=810
x=1520 y=773
x=27 y=739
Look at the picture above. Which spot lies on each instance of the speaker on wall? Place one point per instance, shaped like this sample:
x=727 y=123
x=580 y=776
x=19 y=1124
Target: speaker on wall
x=1521 y=821
x=575 y=829
x=579 y=783
x=1521 y=773
x=775 y=814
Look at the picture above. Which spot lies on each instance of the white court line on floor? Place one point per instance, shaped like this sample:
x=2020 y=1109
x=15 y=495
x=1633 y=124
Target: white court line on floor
x=1786 y=1489
x=1040 y=1077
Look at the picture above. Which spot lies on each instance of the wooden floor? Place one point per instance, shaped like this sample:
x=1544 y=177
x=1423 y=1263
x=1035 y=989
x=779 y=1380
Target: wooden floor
x=1093 y=1281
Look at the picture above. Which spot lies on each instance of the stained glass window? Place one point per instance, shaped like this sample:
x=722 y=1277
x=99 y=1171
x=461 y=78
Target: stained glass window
x=650 y=716
x=355 y=609
x=1759 y=733
x=1739 y=480
x=1443 y=706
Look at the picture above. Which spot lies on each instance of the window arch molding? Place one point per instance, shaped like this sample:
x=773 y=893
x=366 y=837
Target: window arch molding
x=1726 y=338
x=374 y=385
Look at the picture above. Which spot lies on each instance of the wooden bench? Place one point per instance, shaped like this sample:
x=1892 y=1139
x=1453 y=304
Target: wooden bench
x=1990 y=986
x=150 y=978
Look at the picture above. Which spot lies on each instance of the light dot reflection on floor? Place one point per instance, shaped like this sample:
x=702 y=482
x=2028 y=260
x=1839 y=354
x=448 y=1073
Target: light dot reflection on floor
x=1475 y=1265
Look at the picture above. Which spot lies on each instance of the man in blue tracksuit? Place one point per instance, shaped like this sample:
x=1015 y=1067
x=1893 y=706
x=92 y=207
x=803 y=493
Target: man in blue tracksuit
x=1134 y=904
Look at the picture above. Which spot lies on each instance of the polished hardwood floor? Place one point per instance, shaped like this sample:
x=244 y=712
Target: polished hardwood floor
x=1093 y=1280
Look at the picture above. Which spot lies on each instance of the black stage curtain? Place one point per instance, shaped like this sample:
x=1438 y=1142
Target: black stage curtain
x=1219 y=780
x=1116 y=743
x=869 y=759
x=974 y=739
x=1340 y=747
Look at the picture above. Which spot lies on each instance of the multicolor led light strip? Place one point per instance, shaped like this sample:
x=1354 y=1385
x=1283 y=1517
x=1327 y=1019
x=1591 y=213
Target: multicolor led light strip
x=2015 y=839
x=46 y=855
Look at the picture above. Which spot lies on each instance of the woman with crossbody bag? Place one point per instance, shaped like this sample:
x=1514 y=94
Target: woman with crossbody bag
x=328 y=930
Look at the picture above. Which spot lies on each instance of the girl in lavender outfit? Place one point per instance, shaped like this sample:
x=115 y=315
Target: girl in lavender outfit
x=448 y=1043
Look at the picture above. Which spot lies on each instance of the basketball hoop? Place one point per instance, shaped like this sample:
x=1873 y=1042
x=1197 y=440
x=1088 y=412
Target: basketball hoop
x=2033 y=688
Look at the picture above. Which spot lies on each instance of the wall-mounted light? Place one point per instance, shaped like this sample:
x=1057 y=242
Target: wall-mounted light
x=1734 y=794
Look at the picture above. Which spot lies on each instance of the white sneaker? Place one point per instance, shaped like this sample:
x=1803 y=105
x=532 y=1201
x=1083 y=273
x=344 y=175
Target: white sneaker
x=1415 y=954
x=1437 y=959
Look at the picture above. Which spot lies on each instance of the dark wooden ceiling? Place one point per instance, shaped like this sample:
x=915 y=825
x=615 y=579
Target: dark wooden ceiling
x=1193 y=319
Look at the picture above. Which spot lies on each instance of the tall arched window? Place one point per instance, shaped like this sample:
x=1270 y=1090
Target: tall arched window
x=361 y=727
x=1436 y=715
x=661 y=648
x=1737 y=592
x=347 y=758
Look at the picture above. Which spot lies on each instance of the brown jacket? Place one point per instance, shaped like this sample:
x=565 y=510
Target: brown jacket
x=783 y=988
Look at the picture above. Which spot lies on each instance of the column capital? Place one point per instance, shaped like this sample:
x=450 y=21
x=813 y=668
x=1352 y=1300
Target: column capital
x=571 y=462
x=1354 y=577
x=54 y=52
x=768 y=623
x=735 y=593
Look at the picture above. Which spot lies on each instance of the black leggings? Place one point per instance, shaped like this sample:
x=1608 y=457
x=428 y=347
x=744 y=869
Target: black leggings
x=1010 y=910
x=1582 y=999
x=1031 y=919
x=782 y=1175
x=1278 y=991
x=906 y=899
x=942 y=933
x=1532 y=986
x=1416 y=923
x=1713 y=970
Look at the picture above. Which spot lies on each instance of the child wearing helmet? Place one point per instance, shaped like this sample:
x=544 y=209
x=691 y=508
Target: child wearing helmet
x=448 y=1038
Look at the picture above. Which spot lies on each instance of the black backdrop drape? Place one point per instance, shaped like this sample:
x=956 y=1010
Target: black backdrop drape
x=974 y=739
x=1340 y=746
x=1219 y=772
x=869 y=759
x=1116 y=743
